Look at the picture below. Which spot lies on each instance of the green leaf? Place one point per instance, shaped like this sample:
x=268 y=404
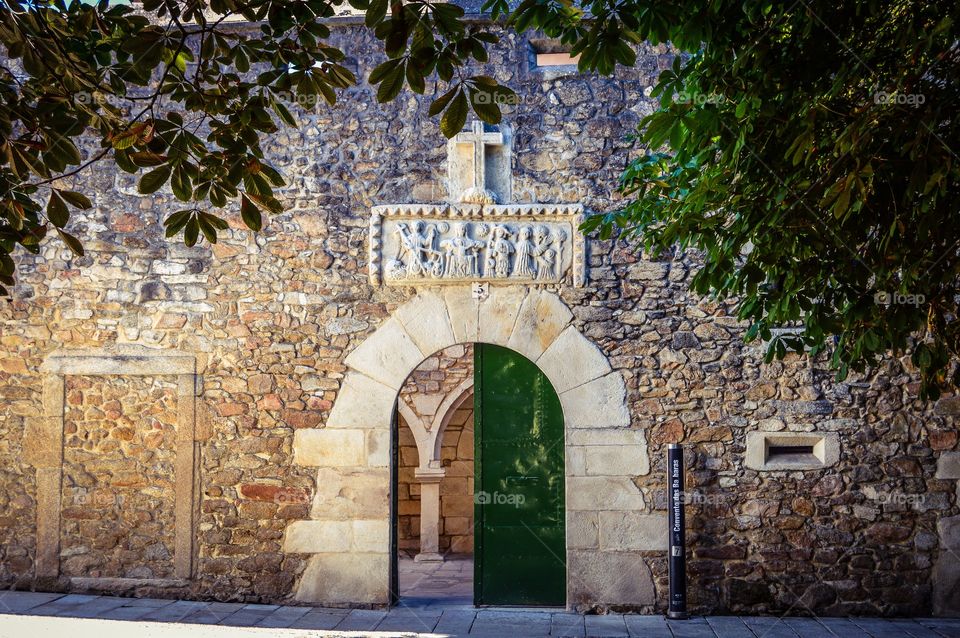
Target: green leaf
x=285 y=116
x=72 y=243
x=207 y=228
x=152 y=181
x=177 y=221
x=75 y=199
x=484 y=104
x=147 y=159
x=455 y=116
x=439 y=104
x=376 y=12
x=391 y=84
x=57 y=211
x=191 y=231
x=180 y=184
x=250 y=214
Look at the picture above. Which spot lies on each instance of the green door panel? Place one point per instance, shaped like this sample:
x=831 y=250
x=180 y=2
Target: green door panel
x=520 y=545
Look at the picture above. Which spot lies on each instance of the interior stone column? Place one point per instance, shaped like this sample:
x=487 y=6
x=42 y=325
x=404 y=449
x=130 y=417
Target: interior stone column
x=429 y=514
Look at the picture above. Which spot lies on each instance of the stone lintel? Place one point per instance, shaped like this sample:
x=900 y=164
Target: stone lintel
x=144 y=361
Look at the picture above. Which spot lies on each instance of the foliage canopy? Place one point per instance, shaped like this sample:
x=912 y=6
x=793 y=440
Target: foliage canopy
x=807 y=149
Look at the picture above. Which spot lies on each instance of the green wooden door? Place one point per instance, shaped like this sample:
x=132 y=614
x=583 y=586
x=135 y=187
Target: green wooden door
x=519 y=540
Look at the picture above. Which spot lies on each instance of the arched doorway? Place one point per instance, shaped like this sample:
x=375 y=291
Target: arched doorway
x=347 y=539
x=479 y=490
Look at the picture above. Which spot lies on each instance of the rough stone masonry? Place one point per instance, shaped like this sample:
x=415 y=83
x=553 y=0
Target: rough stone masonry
x=207 y=422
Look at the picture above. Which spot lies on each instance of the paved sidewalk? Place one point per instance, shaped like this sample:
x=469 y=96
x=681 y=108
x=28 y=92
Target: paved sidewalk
x=32 y=615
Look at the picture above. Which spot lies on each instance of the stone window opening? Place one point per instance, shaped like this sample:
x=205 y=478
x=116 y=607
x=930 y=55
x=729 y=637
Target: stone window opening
x=772 y=451
x=550 y=53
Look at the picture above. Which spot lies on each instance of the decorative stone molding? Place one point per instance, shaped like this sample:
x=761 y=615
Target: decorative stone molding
x=481 y=237
x=604 y=454
x=43 y=448
x=441 y=243
x=772 y=451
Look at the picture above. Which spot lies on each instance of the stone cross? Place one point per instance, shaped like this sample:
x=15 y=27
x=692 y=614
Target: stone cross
x=479 y=166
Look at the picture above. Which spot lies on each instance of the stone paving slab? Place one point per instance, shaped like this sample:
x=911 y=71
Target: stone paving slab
x=696 y=627
x=41 y=614
x=284 y=617
x=567 y=625
x=915 y=629
x=609 y=626
x=318 y=619
x=361 y=620
x=729 y=627
x=455 y=621
x=21 y=601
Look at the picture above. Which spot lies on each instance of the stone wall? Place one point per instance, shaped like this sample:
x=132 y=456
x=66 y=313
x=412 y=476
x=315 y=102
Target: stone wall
x=408 y=492
x=457 y=486
x=435 y=379
x=117 y=494
x=271 y=319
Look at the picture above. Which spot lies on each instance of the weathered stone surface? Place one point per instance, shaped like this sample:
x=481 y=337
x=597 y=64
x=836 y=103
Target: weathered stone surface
x=583 y=530
x=599 y=403
x=946 y=583
x=632 y=531
x=618 y=578
x=498 y=313
x=616 y=460
x=541 y=319
x=464 y=313
x=337 y=579
x=571 y=361
x=427 y=322
x=330 y=448
x=603 y=493
x=387 y=356
x=362 y=403
x=949 y=530
x=315 y=537
x=948 y=466
x=345 y=494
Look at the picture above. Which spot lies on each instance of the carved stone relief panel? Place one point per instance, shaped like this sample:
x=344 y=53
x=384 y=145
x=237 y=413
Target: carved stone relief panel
x=456 y=243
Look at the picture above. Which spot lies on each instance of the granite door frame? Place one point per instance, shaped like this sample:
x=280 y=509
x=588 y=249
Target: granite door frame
x=43 y=448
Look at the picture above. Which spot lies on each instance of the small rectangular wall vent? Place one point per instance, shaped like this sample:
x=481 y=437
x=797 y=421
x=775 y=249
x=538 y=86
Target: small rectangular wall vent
x=769 y=451
x=551 y=53
x=557 y=59
x=788 y=450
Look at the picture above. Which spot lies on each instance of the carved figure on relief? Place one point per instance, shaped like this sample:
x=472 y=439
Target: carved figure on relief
x=461 y=253
x=417 y=254
x=499 y=249
x=546 y=251
x=523 y=264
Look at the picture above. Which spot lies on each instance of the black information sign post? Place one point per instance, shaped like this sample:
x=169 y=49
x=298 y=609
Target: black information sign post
x=677 y=550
